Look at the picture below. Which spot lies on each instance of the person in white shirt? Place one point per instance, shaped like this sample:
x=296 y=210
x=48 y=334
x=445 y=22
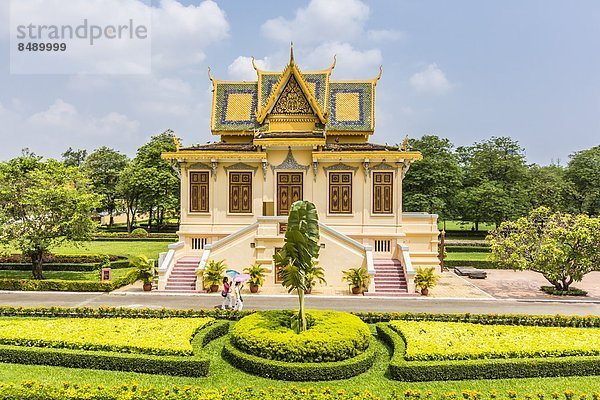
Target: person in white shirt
x=239 y=302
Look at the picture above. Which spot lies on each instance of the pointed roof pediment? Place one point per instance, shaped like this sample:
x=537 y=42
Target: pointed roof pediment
x=291 y=94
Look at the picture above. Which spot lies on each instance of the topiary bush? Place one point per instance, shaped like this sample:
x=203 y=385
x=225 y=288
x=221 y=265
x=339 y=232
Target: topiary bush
x=139 y=233
x=331 y=336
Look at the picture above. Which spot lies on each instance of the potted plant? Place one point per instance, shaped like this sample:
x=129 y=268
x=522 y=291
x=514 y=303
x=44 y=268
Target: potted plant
x=146 y=269
x=257 y=276
x=212 y=274
x=425 y=278
x=314 y=274
x=358 y=278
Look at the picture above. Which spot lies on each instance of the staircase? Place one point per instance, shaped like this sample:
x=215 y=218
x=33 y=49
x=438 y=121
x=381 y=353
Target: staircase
x=183 y=275
x=389 y=278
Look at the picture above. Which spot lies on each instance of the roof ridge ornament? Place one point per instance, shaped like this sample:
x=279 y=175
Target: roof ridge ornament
x=290 y=163
x=378 y=77
x=291 y=53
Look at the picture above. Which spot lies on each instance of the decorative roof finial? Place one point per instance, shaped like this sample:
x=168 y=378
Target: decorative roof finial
x=291 y=52
x=405 y=143
x=379 y=74
x=210 y=75
x=254 y=64
x=176 y=142
x=334 y=62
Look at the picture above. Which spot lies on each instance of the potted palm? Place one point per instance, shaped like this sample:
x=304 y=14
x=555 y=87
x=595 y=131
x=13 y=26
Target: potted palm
x=314 y=274
x=425 y=278
x=212 y=274
x=146 y=269
x=358 y=278
x=257 y=276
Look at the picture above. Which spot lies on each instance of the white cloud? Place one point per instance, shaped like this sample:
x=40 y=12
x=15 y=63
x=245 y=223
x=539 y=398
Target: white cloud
x=431 y=80
x=59 y=114
x=384 y=35
x=321 y=20
x=351 y=63
x=241 y=68
x=180 y=34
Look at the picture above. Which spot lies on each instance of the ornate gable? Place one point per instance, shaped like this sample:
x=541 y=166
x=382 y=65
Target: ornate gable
x=292 y=100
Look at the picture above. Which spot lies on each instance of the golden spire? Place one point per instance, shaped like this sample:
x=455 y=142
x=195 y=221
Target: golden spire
x=291 y=52
x=176 y=141
x=405 y=144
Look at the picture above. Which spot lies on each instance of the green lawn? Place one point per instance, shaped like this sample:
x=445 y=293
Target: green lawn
x=66 y=275
x=222 y=374
x=465 y=226
x=467 y=256
x=126 y=248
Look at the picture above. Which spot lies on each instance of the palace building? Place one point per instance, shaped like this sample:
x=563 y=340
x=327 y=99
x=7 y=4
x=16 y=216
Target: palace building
x=288 y=136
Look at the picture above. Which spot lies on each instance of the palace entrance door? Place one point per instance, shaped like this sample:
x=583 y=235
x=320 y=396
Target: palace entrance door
x=289 y=190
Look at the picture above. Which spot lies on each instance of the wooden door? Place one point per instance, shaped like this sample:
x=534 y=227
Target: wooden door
x=289 y=190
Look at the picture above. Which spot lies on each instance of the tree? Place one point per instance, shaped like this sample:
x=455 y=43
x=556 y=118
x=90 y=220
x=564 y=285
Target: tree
x=131 y=187
x=42 y=204
x=299 y=252
x=497 y=163
x=432 y=183
x=547 y=186
x=583 y=172
x=161 y=194
x=74 y=158
x=561 y=247
x=104 y=167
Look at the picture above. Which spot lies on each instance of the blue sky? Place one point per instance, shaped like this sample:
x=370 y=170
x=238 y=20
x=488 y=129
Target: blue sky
x=466 y=70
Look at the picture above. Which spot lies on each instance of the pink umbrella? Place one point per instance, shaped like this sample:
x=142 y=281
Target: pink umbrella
x=241 y=278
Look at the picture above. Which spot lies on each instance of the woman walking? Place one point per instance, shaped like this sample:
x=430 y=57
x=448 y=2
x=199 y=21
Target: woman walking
x=226 y=293
x=239 y=302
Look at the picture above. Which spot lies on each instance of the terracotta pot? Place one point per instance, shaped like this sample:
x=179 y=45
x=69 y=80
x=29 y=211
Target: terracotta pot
x=147 y=287
x=253 y=289
x=425 y=291
x=214 y=288
x=356 y=290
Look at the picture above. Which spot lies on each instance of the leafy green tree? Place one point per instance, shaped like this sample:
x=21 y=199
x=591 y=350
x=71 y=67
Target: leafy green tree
x=583 y=172
x=431 y=184
x=561 y=247
x=131 y=187
x=299 y=252
x=104 y=167
x=495 y=166
x=74 y=158
x=161 y=194
x=42 y=204
x=547 y=186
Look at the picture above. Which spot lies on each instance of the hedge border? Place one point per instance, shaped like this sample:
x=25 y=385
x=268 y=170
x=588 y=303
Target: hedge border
x=418 y=371
x=467 y=249
x=68 y=286
x=196 y=365
x=64 y=267
x=297 y=371
x=590 y=321
x=480 y=264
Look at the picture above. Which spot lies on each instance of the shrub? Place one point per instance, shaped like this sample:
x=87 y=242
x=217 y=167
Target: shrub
x=571 y=292
x=68 y=286
x=109 y=334
x=139 y=233
x=333 y=336
x=57 y=258
x=403 y=370
x=457 y=340
x=462 y=248
x=299 y=371
x=481 y=264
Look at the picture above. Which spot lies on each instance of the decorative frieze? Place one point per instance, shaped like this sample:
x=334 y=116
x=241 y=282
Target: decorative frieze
x=341 y=167
x=241 y=167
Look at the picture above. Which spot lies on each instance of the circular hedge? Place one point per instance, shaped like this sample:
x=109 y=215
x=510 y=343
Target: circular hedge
x=331 y=336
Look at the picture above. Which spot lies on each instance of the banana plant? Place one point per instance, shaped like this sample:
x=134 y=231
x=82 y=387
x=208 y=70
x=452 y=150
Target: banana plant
x=300 y=250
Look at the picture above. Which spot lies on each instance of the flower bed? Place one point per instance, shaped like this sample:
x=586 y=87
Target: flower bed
x=170 y=336
x=332 y=336
x=442 y=370
x=462 y=341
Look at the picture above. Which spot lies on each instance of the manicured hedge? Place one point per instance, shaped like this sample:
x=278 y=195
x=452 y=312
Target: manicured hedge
x=413 y=371
x=300 y=371
x=193 y=366
x=68 y=286
x=162 y=337
x=60 y=258
x=75 y=267
x=166 y=365
x=590 y=321
x=333 y=336
x=433 y=340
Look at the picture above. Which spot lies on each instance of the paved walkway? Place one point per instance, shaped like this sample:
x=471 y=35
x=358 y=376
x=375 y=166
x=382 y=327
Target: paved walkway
x=261 y=302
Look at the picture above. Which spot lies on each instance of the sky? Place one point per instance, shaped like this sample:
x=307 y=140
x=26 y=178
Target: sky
x=465 y=70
